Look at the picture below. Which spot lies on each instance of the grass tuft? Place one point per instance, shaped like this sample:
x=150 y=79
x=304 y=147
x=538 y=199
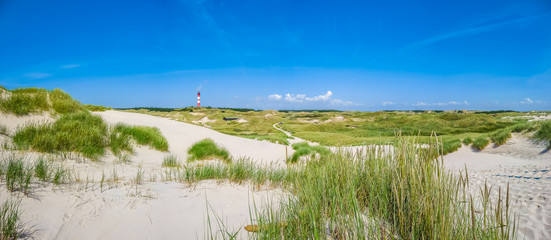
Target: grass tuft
x=480 y=143
x=23 y=103
x=171 y=161
x=207 y=149
x=10 y=220
x=500 y=137
x=143 y=135
x=63 y=103
x=304 y=149
x=450 y=146
x=467 y=141
x=544 y=133
x=74 y=132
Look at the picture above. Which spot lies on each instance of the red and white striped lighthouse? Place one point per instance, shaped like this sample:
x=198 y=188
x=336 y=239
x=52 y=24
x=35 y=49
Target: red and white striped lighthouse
x=198 y=99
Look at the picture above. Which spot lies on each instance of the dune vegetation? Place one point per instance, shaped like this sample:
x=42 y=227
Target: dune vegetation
x=337 y=128
x=305 y=149
x=207 y=149
x=544 y=133
x=385 y=193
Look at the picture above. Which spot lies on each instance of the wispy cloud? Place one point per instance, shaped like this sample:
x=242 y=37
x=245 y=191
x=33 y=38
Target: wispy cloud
x=474 y=30
x=69 y=66
x=388 y=103
x=527 y=101
x=37 y=75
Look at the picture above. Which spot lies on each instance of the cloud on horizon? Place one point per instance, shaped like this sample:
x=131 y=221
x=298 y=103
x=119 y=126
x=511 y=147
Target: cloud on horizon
x=441 y=104
x=302 y=98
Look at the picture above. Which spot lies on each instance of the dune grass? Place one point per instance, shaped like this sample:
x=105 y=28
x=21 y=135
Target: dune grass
x=467 y=141
x=142 y=135
x=500 y=137
x=96 y=108
x=79 y=132
x=171 y=161
x=19 y=175
x=207 y=149
x=304 y=149
x=450 y=146
x=544 y=133
x=24 y=102
x=87 y=134
x=480 y=142
x=397 y=193
x=10 y=220
x=63 y=103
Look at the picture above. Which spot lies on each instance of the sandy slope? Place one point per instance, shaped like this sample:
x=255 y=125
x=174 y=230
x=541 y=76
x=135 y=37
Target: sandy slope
x=182 y=135
x=526 y=166
x=153 y=210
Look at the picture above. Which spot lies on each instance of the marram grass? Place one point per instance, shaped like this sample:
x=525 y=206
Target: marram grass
x=304 y=149
x=480 y=142
x=10 y=220
x=397 y=193
x=207 y=149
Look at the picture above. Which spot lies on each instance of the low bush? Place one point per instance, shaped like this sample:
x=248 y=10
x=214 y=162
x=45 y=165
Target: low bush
x=207 y=149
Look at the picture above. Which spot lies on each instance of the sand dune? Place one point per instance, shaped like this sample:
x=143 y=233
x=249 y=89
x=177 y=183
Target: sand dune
x=526 y=167
x=182 y=135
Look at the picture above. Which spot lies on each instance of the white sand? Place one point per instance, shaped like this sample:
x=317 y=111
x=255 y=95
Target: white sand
x=12 y=122
x=526 y=167
x=154 y=209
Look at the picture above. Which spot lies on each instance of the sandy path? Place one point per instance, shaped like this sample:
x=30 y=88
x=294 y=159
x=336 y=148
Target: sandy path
x=181 y=137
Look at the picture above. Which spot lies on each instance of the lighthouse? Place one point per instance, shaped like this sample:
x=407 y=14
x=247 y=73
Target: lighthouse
x=198 y=99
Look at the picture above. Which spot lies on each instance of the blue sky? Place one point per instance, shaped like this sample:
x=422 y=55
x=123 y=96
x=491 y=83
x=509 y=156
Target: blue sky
x=348 y=55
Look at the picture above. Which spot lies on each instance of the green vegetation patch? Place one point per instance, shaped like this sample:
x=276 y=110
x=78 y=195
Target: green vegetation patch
x=467 y=141
x=207 y=149
x=500 y=137
x=96 y=108
x=142 y=135
x=63 y=103
x=450 y=146
x=23 y=102
x=10 y=220
x=75 y=132
x=305 y=149
x=544 y=133
x=480 y=143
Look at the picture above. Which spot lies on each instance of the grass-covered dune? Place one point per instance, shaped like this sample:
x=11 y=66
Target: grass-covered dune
x=75 y=129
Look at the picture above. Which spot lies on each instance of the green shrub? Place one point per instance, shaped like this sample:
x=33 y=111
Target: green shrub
x=467 y=141
x=304 y=149
x=143 y=135
x=480 y=143
x=207 y=149
x=500 y=137
x=10 y=220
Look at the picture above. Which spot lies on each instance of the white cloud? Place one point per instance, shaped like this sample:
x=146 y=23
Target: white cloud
x=302 y=98
x=69 y=66
x=37 y=75
x=527 y=101
x=275 y=97
x=388 y=103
